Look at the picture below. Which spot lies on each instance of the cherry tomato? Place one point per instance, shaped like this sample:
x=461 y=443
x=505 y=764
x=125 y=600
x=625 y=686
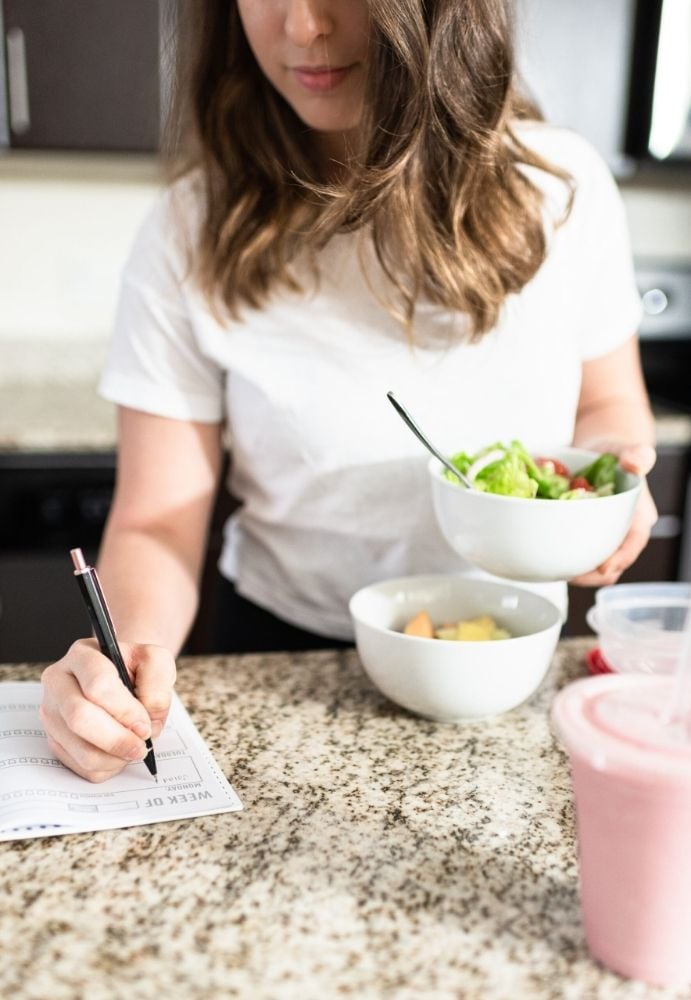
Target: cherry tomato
x=552 y=465
x=580 y=483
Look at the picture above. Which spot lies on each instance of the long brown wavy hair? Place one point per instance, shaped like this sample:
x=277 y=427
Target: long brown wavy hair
x=437 y=182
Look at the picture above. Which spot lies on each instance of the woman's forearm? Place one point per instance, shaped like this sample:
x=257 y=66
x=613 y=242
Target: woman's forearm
x=614 y=410
x=152 y=590
x=155 y=540
x=615 y=421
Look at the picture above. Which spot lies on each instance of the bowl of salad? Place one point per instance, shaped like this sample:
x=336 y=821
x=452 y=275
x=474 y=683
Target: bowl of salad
x=531 y=516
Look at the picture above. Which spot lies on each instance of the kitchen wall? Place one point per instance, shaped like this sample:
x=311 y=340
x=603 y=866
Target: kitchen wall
x=66 y=223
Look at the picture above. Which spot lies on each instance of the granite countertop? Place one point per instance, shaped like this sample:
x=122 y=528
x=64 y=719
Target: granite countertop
x=379 y=855
x=50 y=400
x=58 y=418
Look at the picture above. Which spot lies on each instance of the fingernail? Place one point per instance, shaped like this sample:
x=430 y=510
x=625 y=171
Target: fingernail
x=142 y=729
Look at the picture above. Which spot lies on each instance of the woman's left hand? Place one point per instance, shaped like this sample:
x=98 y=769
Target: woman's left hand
x=639 y=459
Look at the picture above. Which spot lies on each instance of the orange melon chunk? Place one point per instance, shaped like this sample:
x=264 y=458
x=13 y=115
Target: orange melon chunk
x=420 y=625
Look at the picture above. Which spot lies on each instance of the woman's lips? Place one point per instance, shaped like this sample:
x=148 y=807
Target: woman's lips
x=321 y=78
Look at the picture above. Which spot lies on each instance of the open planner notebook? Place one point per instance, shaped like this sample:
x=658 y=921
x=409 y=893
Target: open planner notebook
x=39 y=797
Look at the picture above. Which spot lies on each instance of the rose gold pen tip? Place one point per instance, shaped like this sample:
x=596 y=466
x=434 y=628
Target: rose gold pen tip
x=78 y=560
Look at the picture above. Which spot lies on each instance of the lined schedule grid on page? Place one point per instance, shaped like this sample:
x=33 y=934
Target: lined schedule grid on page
x=40 y=797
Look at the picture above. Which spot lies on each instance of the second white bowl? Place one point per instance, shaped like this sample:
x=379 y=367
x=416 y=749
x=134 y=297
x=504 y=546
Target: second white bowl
x=444 y=679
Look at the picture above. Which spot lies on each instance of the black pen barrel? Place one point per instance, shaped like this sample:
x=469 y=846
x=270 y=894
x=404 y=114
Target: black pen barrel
x=103 y=625
x=104 y=631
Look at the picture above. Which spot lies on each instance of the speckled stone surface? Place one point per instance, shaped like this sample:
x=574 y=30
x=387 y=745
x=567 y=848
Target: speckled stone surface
x=68 y=417
x=379 y=856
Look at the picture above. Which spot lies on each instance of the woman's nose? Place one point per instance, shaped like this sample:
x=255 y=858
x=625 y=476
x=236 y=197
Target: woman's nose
x=308 y=20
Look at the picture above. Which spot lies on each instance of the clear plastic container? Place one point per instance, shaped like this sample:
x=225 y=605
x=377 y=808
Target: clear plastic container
x=640 y=626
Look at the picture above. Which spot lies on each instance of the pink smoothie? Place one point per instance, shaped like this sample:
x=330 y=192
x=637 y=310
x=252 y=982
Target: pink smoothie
x=631 y=774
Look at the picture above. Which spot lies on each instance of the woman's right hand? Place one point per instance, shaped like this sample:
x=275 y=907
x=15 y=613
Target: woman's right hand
x=94 y=725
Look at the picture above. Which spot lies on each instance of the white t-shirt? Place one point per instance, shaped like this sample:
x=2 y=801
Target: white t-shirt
x=333 y=486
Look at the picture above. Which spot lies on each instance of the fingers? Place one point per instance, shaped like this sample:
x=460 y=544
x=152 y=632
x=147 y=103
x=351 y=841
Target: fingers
x=154 y=679
x=635 y=541
x=100 y=685
x=610 y=570
x=93 y=723
x=86 y=762
x=86 y=730
x=638 y=458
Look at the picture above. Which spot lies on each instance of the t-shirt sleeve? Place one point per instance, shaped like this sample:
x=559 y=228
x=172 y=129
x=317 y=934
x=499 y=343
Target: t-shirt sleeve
x=605 y=298
x=154 y=362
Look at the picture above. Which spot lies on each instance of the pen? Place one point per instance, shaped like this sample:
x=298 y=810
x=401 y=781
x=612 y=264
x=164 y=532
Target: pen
x=102 y=623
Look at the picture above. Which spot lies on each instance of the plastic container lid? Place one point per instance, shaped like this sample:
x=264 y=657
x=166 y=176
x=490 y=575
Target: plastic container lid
x=645 y=607
x=640 y=625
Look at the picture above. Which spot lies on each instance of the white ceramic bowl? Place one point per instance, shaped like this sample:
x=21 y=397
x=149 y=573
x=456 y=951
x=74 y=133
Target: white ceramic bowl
x=641 y=626
x=443 y=679
x=534 y=540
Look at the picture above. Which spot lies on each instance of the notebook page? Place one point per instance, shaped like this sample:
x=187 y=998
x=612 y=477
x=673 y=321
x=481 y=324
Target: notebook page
x=39 y=797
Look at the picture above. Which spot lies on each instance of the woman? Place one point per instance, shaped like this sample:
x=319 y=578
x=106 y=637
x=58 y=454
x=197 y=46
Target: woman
x=366 y=206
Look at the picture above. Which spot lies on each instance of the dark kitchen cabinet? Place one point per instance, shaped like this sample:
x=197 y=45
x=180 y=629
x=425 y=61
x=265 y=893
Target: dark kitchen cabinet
x=49 y=503
x=662 y=558
x=82 y=74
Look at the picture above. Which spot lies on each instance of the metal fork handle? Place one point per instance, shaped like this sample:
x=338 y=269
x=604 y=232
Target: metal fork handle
x=422 y=437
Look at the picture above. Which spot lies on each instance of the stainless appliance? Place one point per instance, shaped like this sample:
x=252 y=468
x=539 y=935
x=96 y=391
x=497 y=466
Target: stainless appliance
x=666 y=333
x=666 y=356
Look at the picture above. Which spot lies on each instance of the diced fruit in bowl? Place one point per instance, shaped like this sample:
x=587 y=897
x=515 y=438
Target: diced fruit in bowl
x=464 y=679
x=479 y=629
x=538 y=529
